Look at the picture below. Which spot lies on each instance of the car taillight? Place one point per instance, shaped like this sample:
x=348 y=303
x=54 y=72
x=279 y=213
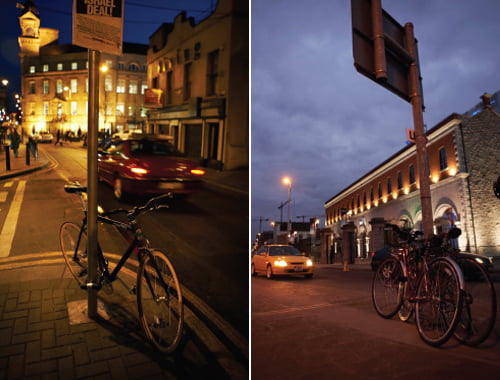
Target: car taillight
x=197 y=171
x=139 y=170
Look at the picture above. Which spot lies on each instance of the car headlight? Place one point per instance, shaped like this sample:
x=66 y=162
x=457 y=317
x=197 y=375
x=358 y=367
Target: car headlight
x=309 y=263
x=280 y=263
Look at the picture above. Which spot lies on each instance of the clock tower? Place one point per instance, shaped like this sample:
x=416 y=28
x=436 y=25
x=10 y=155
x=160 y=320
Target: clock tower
x=32 y=36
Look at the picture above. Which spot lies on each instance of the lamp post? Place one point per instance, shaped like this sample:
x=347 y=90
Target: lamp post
x=288 y=181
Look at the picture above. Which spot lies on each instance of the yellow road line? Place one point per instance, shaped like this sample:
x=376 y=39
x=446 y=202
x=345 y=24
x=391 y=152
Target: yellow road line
x=9 y=227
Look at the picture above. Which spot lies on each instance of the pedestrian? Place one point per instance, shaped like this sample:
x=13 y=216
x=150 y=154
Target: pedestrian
x=15 y=140
x=58 y=137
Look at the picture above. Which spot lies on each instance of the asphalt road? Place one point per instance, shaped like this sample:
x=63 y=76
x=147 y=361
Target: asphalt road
x=326 y=328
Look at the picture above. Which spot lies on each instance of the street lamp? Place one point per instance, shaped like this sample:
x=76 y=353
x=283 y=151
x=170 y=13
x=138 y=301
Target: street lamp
x=288 y=181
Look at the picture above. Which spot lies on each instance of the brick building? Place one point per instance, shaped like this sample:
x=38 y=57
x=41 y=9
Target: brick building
x=198 y=80
x=463 y=163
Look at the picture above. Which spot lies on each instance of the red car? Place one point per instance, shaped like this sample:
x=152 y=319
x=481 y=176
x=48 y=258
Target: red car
x=147 y=165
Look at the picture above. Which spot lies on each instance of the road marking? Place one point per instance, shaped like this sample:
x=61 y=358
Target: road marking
x=3 y=196
x=291 y=310
x=9 y=227
x=8 y=184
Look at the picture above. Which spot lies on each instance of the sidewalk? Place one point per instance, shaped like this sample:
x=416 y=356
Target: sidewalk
x=18 y=165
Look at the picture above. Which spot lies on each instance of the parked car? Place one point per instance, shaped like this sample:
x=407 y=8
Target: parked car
x=146 y=164
x=43 y=137
x=281 y=260
x=384 y=253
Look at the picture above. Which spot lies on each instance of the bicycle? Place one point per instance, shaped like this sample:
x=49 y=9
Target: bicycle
x=431 y=286
x=157 y=289
x=479 y=308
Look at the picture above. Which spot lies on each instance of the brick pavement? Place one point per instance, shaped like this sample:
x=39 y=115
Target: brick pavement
x=40 y=340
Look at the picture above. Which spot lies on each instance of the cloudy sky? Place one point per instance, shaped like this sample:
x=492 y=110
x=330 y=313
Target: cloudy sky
x=141 y=19
x=317 y=120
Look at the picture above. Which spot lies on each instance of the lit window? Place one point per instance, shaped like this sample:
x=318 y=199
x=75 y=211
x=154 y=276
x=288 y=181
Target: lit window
x=32 y=69
x=132 y=87
x=120 y=86
x=108 y=83
x=74 y=85
x=45 y=87
x=59 y=86
x=45 y=68
x=73 y=108
x=120 y=109
x=59 y=67
x=45 y=108
x=74 y=65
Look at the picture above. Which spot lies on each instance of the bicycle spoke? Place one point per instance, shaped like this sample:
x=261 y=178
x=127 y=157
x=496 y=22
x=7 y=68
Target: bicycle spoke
x=387 y=288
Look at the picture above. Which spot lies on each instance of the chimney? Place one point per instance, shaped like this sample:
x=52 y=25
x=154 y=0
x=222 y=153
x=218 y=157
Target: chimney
x=486 y=99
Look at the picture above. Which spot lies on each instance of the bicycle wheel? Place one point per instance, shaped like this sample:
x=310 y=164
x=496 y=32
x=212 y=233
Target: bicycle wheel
x=479 y=305
x=73 y=241
x=437 y=311
x=387 y=288
x=159 y=300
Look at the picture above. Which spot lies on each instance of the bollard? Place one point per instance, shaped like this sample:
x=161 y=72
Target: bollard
x=28 y=153
x=7 y=157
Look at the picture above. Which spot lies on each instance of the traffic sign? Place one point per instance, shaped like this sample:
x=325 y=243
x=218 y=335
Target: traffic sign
x=98 y=25
x=380 y=48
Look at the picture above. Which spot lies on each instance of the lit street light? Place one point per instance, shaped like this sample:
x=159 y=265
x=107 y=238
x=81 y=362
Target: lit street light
x=288 y=181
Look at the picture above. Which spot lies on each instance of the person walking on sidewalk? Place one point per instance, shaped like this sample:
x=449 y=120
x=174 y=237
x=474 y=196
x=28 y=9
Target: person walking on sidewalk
x=15 y=140
x=58 y=137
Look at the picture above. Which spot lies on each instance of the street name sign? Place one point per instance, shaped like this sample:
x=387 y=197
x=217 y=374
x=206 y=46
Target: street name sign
x=98 y=25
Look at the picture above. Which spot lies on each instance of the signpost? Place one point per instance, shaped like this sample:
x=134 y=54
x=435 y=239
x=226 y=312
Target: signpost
x=97 y=26
x=386 y=52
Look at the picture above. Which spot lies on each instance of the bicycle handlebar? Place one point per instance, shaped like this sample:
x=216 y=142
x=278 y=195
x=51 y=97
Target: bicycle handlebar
x=151 y=204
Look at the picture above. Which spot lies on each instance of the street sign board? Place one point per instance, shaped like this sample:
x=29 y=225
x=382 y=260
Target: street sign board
x=98 y=25
x=397 y=58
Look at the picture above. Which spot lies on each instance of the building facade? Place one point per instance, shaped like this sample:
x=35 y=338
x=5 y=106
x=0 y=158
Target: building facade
x=463 y=164
x=198 y=80
x=54 y=82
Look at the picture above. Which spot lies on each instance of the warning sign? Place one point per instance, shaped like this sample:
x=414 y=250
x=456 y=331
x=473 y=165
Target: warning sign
x=98 y=25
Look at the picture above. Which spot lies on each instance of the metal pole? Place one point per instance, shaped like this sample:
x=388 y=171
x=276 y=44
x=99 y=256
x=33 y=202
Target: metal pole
x=420 y=138
x=93 y=124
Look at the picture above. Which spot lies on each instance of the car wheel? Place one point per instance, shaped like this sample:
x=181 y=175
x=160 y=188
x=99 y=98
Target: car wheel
x=254 y=273
x=269 y=272
x=118 y=189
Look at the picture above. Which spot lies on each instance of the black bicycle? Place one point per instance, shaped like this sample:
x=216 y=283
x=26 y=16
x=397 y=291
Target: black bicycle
x=159 y=296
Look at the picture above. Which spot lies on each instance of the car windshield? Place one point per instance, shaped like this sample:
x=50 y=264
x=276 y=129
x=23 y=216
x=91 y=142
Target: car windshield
x=284 y=251
x=152 y=147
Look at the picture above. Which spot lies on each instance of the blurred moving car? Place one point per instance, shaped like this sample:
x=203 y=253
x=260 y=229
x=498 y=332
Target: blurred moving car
x=43 y=137
x=281 y=260
x=384 y=253
x=146 y=164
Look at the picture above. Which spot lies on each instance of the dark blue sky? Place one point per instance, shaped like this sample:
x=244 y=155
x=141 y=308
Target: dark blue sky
x=141 y=19
x=317 y=120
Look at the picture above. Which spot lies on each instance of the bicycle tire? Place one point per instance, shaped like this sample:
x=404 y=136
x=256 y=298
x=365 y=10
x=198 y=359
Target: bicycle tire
x=437 y=311
x=73 y=242
x=479 y=305
x=387 y=288
x=160 y=308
